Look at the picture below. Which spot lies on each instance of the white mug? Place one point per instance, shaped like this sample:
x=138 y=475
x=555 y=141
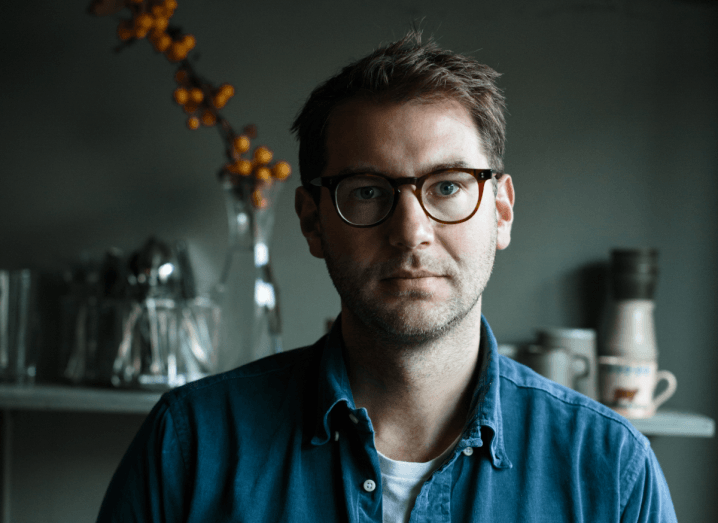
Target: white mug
x=577 y=341
x=628 y=385
x=556 y=363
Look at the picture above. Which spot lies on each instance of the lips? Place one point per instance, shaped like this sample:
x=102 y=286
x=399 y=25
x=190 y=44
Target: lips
x=412 y=275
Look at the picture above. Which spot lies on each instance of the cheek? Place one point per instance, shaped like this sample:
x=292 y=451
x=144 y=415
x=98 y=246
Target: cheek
x=463 y=238
x=347 y=244
x=349 y=248
x=469 y=243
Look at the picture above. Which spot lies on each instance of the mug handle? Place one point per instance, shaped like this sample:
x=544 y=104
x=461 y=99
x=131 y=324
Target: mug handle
x=670 y=390
x=583 y=368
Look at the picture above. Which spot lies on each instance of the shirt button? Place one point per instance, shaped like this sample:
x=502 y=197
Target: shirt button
x=468 y=451
x=353 y=418
x=369 y=485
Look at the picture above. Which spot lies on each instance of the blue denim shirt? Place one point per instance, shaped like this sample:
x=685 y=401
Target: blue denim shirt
x=281 y=440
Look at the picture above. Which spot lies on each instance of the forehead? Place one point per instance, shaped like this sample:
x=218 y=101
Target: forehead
x=401 y=137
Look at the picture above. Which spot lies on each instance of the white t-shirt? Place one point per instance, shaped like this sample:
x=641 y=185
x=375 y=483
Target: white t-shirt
x=401 y=483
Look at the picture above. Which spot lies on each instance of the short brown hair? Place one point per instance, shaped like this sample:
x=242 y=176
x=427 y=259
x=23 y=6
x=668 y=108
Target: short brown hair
x=399 y=72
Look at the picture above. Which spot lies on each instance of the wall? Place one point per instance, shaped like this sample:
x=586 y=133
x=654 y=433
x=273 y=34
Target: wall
x=612 y=138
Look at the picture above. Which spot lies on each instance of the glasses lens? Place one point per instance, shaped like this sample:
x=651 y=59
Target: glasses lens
x=364 y=199
x=450 y=195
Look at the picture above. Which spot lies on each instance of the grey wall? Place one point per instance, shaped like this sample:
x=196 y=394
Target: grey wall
x=612 y=139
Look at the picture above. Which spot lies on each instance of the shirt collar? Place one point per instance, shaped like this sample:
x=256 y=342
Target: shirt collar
x=334 y=389
x=333 y=383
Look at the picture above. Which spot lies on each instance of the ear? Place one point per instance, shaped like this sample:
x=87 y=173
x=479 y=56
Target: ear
x=308 y=214
x=504 y=211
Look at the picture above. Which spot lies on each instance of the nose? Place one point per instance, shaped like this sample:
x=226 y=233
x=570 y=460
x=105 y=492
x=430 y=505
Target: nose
x=409 y=226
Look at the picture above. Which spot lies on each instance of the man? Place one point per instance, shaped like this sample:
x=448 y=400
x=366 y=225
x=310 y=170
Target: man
x=405 y=411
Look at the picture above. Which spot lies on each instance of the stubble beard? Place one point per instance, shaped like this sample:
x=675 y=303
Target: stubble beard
x=409 y=324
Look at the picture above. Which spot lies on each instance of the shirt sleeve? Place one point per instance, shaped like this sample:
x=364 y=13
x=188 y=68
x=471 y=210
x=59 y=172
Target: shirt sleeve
x=649 y=501
x=149 y=483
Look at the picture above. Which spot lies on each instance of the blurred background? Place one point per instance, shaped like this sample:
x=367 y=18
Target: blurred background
x=612 y=142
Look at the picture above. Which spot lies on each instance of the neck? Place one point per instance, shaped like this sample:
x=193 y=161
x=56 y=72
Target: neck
x=417 y=396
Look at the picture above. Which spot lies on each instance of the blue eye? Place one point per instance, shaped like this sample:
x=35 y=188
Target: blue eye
x=447 y=188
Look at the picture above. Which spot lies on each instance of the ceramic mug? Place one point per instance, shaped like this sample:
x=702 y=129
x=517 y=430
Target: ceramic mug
x=577 y=341
x=628 y=385
x=556 y=363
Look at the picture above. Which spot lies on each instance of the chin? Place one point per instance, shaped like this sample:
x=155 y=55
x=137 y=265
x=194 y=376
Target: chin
x=414 y=323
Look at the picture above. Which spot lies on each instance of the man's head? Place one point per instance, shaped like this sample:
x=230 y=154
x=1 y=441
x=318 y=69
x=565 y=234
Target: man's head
x=405 y=70
x=410 y=279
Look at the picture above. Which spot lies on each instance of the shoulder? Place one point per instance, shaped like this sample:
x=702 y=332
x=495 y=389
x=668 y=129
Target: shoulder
x=248 y=391
x=265 y=369
x=521 y=380
x=563 y=415
x=597 y=451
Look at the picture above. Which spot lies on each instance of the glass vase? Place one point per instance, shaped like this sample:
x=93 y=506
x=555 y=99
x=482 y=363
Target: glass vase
x=246 y=291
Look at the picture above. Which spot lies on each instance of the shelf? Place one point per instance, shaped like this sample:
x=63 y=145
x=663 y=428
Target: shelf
x=76 y=399
x=676 y=423
x=85 y=399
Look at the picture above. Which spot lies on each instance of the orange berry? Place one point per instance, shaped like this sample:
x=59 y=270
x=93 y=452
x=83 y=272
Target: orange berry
x=176 y=52
x=181 y=95
x=141 y=32
x=219 y=101
x=262 y=173
x=158 y=11
x=181 y=76
x=262 y=155
x=259 y=201
x=281 y=170
x=193 y=122
x=244 y=167
x=196 y=95
x=190 y=107
x=241 y=144
x=169 y=7
x=189 y=42
x=240 y=167
x=160 y=41
x=226 y=90
x=250 y=130
x=161 y=23
x=155 y=36
x=125 y=35
x=208 y=118
x=173 y=54
x=144 y=21
x=125 y=31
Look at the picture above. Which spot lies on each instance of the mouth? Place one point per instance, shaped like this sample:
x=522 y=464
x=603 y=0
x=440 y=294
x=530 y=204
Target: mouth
x=412 y=275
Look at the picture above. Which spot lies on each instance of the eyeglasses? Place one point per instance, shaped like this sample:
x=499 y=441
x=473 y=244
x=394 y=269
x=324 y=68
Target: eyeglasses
x=366 y=199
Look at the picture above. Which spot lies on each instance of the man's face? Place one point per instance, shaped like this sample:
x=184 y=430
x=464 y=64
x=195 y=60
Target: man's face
x=409 y=279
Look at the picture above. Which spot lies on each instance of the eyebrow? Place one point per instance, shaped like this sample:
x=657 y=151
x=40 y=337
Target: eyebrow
x=443 y=166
